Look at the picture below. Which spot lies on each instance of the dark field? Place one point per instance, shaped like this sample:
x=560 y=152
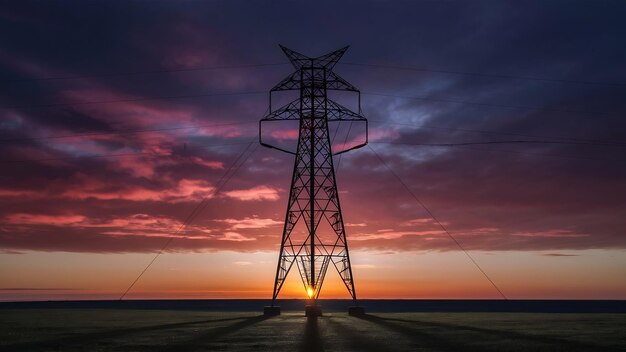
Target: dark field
x=168 y=330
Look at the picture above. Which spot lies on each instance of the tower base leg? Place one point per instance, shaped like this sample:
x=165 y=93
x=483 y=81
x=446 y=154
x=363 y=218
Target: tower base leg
x=356 y=311
x=313 y=311
x=270 y=311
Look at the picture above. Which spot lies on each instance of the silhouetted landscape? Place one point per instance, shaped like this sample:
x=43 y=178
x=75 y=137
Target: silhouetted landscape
x=208 y=326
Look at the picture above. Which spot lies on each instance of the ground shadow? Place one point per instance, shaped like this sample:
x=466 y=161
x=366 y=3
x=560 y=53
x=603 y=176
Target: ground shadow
x=89 y=338
x=311 y=340
x=212 y=335
x=357 y=341
x=565 y=344
x=419 y=338
x=547 y=341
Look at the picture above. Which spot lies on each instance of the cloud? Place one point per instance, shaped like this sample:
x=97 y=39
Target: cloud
x=235 y=237
x=133 y=225
x=9 y=251
x=559 y=255
x=254 y=193
x=43 y=219
x=210 y=164
x=551 y=233
x=250 y=223
x=132 y=112
x=361 y=224
x=39 y=289
x=388 y=234
x=18 y=193
x=289 y=134
x=182 y=191
x=418 y=221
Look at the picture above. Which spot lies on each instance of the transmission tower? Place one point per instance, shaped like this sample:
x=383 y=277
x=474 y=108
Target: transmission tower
x=313 y=202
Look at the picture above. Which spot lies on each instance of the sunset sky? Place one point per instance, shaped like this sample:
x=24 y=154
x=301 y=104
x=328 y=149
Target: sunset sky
x=118 y=117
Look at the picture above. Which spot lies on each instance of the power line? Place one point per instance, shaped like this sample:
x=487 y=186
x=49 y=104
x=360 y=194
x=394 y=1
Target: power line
x=76 y=157
x=490 y=105
x=486 y=75
x=456 y=145
x=92 y=134
x=140 y=131
x=356 y=64
x=201 y=95
x=199 y=207
x=500 y=142
x=519 y=153
x=438 y=222
x=345 y=142
x=460 y=144
x=114 y=155
x=139 y=73
x=498 y=133
x=187 y=96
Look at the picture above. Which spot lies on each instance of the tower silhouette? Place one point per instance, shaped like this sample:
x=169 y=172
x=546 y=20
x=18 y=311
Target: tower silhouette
x=314 y=235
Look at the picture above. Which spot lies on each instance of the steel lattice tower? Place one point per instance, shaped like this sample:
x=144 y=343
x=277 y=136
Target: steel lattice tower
x=313 y=197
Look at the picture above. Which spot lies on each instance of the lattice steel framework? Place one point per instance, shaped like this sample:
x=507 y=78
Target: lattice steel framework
x=313 y=197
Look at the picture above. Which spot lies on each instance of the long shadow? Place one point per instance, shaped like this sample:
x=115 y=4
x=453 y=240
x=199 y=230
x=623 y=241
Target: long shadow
x=311 y=340
x=358 y=341
x=419 y=338
x=506 y=334
x=211 y=335
x=79 y=339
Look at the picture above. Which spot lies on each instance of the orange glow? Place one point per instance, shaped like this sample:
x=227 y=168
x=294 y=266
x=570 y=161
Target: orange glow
x=230 y=275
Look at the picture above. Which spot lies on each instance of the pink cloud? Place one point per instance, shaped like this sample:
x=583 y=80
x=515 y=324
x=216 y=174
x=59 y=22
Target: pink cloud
x=415 y=222
x=235 y=237
x=183 y=191
x=18 y=193
x=251 y=223
x=226 y=130
x=254 y=193
x=133 y=222
x=134 y=113
x=391 y=235
x=380 y=133
x=138 y=166
x=361 y=224
x=43 y=219
x=208 y=163
x=134 y=225
x=290 y=134
x=550 y=233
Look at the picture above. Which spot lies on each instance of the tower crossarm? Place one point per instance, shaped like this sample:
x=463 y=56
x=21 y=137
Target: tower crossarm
x=335 y=82
x=337 y=112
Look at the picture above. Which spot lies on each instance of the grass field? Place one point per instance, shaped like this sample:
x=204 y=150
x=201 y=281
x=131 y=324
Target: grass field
x=149 y=330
